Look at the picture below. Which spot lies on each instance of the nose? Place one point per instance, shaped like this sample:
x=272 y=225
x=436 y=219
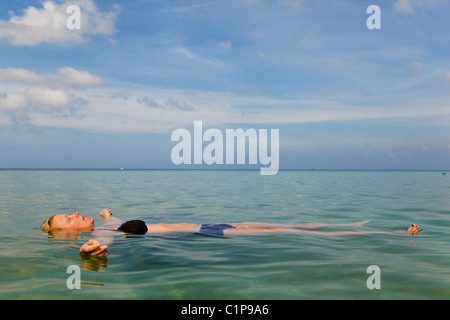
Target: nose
x=76 y=214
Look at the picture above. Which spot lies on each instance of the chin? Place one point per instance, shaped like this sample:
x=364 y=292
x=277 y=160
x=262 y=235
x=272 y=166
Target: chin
x=89 y=223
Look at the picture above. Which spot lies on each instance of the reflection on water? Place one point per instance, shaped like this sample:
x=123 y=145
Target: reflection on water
x=93 y=263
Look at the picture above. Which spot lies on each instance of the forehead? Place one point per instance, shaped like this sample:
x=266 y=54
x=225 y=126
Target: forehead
x=59 y=220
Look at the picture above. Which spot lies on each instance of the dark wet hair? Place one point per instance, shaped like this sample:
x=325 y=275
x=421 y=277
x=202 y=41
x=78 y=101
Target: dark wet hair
x=134 y=226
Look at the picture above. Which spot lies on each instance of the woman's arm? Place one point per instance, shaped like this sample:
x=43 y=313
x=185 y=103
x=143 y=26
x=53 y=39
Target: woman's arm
x=94 y=247
x=170 y=227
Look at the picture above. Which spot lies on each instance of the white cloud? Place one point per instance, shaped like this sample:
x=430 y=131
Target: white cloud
x=409 y=7
x=65 y=77
x=160 y=111
x=186 y=53
x=191 y=56
x=25 y=93
x=10 y=101
x=18 y=75
x=74 y=77
x=48 y=24
x=291 y=4
x=418 y=67
x=404 y=6
x=47 y=99
x=35 y=99
x=226 y=45
x=70 y=98
x=447 y=77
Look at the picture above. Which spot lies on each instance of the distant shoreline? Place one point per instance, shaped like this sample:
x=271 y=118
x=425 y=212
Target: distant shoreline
x=220 y=169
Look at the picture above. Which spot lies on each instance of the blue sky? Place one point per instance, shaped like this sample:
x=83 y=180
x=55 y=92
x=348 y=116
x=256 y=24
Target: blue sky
x=110 y=94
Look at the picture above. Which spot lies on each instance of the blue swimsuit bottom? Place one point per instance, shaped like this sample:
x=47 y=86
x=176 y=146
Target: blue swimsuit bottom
x=214 y=230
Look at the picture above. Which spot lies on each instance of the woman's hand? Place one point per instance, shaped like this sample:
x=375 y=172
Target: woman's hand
x=106 y=214
x=93 y=248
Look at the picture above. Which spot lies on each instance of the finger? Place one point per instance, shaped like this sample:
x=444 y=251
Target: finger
x=86 y=249
x=90 y=246
x=100 y=251
x=94 y=244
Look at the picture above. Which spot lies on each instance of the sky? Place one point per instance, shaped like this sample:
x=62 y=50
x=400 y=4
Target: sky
x=110 y=94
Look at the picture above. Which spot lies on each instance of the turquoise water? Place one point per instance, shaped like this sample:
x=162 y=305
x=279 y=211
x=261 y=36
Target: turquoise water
x=185 y=266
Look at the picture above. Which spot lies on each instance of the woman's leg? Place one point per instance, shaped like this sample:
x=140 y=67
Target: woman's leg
x=305 y=226
x=266 y=231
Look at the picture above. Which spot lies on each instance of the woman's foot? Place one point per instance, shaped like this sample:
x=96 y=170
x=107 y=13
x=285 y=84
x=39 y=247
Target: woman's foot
x=413 y=229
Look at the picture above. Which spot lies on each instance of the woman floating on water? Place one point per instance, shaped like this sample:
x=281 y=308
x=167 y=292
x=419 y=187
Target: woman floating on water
x=78 y=223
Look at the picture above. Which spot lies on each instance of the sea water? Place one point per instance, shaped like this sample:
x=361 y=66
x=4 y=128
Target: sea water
x=34 y=265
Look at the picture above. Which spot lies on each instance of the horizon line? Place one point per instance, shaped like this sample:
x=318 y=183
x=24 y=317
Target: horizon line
x=217 y=169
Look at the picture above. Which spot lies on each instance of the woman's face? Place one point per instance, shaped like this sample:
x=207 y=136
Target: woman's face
x=74 y=221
